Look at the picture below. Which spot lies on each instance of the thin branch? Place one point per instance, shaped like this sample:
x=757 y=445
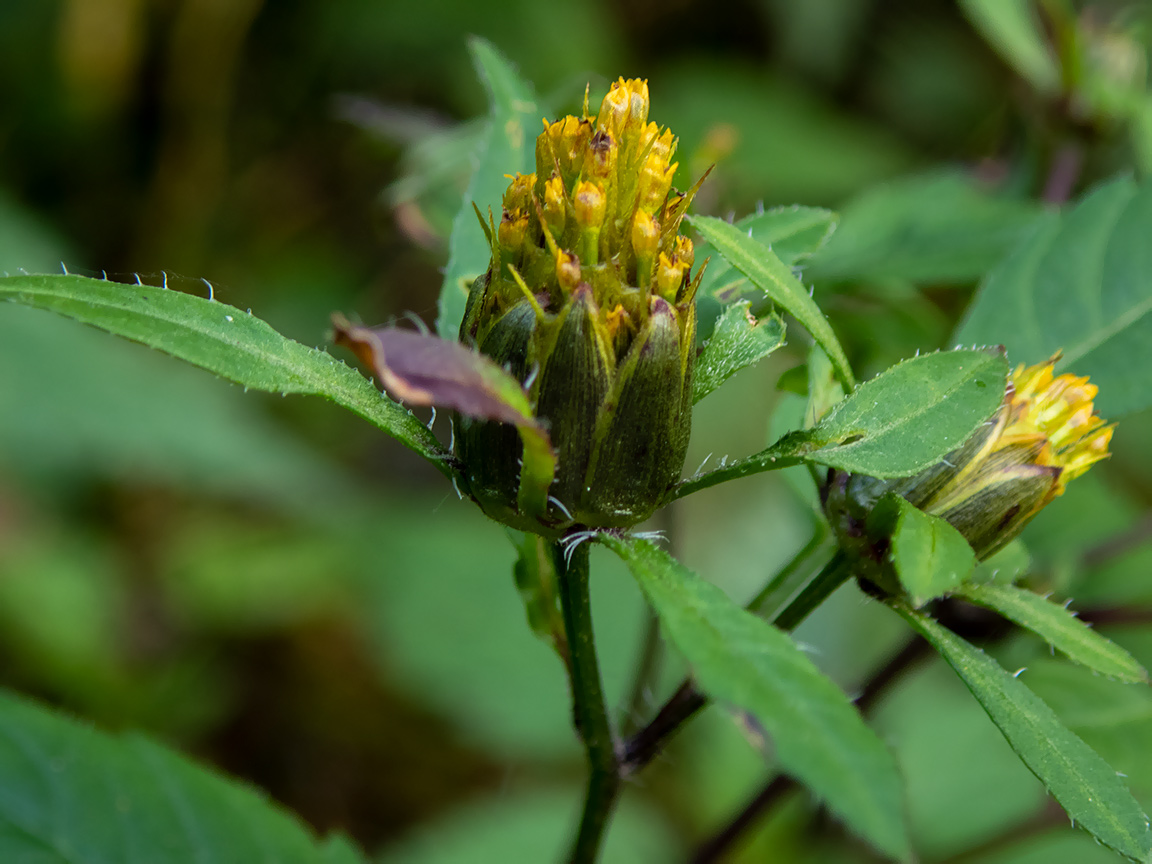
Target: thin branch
x=711 y=850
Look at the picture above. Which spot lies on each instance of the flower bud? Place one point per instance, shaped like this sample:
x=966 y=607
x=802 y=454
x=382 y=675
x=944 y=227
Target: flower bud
x=1043 y=435
x=592 y=314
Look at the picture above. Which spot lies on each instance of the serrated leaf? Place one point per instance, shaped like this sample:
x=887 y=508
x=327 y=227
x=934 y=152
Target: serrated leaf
x=938 y=228
x=1080 y=283
x=1014 y=30
x=900 y=422
x=506 y=147
x=738 y=341
x=1059 y=627
x=70 y=793
x=929 y=556
x=911 y=415
x=224 y=340
x=1085 y=785
x=772 y=276
x=739 y=659
x=793 y=233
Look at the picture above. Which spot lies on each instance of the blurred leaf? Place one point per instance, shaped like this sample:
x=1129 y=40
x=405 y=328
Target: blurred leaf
x=1004 y=567
x=738 y=341
x=506 y=148
x=939 y=731
x=790 y=143
x=1014 y=30
x=900 y=422
x=932 y=228
x=70 y=793
x=929 y=556
x=739 y=659
x=446 y=625
x=793 y=233
x=1079 y=284
x=75 y=403
x=533 y=826
x=223 y=340
x=1059 y=627
x=768 y=273
x=1086 y=786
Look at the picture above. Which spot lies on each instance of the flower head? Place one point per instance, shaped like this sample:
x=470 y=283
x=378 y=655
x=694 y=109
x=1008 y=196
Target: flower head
x=589 y=301
x=1044 y=435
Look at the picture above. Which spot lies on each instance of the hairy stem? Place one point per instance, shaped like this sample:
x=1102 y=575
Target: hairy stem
x=589 y=713
x=640 y=749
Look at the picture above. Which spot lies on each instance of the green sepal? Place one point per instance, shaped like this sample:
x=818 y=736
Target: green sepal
x=642 y=434
x=573 y=384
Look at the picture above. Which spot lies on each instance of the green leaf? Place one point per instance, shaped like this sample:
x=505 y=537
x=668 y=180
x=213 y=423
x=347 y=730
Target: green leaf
x=938 y=228
x=1086 y=786
x=70 y=793
x=929 y=556
x=506 y=147
x=1062 y=629
x=1079 y=283
x=772 y=276
x=738 y=341
x=739 y=659
x=900 y=422
x=911 y=415
x=793 y=233
x=1013 y=29
x=224 y=340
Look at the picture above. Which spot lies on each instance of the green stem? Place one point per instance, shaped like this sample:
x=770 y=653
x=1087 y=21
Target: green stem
x=835 y=573
x=784 y=584
x=589 y=712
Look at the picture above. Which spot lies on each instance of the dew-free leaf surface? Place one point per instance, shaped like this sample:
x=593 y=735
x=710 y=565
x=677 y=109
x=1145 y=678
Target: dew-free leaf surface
x=224 y=340
x=741 y=660
x=1085 y=785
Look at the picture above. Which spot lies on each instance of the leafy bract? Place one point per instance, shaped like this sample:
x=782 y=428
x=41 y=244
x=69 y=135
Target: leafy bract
x=1059 y=627
x=506 y=147
x=937 y=228
x=772 y=276
x=739 y=659
x=738 y=341
x=793 y=233
x=224 y=340
x=423 y=369
x=1084 y=784
x=1080 y=283
x=70 y=793
x=929 y=556
x=900 y=422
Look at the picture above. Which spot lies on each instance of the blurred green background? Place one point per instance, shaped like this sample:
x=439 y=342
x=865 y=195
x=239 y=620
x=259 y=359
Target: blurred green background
x=275 y=587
